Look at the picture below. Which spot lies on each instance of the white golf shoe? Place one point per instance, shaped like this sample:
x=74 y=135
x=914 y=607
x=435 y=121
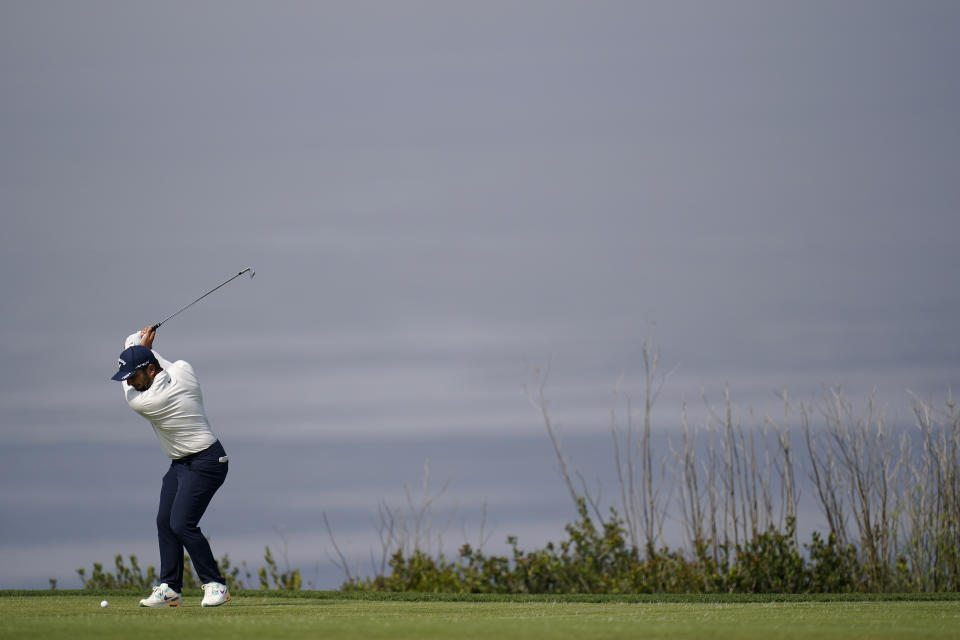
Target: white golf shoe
x=214 y=594
x=162 y=596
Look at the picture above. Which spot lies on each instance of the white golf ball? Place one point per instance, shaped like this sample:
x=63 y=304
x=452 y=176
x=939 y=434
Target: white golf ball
x=104 y=603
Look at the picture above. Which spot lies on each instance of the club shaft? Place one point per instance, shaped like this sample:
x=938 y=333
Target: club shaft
x=184 y=308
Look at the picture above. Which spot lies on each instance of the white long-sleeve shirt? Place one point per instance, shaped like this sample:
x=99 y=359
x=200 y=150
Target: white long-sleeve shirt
x=174 y=406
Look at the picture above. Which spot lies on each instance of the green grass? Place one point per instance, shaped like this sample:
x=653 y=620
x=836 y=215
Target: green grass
x=331 y=615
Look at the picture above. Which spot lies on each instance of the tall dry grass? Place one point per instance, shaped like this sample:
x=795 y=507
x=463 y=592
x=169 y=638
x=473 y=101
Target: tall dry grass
x=889 y=493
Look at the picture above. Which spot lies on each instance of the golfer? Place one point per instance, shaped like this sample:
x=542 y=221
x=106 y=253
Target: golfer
x=168 y=395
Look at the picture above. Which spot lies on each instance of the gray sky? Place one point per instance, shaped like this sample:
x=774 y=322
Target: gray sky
x=438 y=196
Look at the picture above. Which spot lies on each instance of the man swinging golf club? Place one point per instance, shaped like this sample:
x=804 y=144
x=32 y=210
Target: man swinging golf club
x=168 y=395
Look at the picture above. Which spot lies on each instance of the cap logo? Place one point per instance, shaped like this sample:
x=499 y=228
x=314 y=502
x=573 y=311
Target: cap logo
x=122 y=361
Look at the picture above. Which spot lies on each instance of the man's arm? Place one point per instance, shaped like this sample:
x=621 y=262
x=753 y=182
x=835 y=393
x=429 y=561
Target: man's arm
x=147 y=335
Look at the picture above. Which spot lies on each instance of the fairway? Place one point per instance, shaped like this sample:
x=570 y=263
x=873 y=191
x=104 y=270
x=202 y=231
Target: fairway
x=330 y=615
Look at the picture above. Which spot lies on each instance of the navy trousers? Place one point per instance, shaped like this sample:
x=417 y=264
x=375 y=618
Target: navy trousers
x=187 y=488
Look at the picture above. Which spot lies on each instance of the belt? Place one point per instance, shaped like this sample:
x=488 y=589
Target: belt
x=191 y=456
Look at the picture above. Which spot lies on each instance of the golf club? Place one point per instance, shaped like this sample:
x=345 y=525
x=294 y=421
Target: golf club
x=181 y=309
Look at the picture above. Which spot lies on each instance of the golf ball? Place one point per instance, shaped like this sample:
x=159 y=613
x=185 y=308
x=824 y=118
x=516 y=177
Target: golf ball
x=104 y=603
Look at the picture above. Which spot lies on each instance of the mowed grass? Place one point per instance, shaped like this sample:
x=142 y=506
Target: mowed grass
x=331 y=615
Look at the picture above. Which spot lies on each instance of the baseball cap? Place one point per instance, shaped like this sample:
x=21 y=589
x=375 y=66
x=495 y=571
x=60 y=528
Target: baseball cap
x=131 y=359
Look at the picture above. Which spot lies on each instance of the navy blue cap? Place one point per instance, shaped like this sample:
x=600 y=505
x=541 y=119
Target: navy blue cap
x=133 y=358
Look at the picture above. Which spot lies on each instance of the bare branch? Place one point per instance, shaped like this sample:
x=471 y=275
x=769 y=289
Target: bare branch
x=342 y=564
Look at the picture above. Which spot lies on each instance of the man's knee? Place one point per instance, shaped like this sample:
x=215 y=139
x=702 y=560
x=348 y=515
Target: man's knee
x=182 y=527
x=163 y=522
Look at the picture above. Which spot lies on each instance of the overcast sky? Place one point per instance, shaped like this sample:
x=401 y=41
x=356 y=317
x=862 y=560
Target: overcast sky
x=439 y=197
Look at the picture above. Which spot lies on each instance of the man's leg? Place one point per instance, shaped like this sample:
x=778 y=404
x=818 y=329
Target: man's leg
x=198 y=481
x=171 y=550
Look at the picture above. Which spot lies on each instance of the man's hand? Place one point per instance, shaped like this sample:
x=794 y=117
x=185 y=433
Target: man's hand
x=147 y=334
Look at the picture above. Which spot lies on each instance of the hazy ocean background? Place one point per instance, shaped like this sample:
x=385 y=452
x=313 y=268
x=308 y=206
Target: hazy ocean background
x=439 y=198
